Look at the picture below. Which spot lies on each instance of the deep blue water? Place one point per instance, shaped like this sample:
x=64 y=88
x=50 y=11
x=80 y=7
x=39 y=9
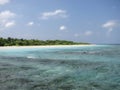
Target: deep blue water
x=61 y=68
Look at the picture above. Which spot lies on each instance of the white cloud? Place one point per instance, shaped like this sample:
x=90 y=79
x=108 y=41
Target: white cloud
x=88 y=33
x=6 y=19
x=2 y=2
x=56 y=13
x=62 y=28
x=30 y=23
x=9 y=24
x=110 y=25
x=6 y=15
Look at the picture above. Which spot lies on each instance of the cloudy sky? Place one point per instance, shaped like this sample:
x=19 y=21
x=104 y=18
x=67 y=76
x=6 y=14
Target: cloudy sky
x=95 y=21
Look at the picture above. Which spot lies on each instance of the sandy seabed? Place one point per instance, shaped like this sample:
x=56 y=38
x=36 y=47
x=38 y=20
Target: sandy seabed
x=67 y=67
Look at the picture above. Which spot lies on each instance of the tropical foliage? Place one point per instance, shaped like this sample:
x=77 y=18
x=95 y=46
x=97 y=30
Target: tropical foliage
x=24 y=42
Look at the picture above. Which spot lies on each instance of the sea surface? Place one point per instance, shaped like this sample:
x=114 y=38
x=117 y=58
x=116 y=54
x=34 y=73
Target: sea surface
x=60 y=68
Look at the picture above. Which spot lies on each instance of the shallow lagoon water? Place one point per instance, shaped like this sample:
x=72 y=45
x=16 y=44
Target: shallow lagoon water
x=60 y=68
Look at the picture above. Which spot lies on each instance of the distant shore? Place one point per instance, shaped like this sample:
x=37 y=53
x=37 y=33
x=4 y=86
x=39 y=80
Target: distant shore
x=44 y=46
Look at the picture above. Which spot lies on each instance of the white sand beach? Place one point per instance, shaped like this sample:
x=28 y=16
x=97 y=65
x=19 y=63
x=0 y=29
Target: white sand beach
x=47 y=46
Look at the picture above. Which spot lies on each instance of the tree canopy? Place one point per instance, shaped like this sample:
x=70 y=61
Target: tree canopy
x=24 y=42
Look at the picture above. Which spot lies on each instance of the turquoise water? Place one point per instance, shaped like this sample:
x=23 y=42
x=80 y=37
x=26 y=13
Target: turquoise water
x=61 y=68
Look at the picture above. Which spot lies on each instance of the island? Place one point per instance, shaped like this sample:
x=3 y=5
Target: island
x=30 y=42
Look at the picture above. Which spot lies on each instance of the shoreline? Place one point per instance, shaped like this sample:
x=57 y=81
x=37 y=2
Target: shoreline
x=45 y=46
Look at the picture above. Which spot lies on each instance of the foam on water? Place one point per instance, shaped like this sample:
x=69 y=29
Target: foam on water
x=64 y=68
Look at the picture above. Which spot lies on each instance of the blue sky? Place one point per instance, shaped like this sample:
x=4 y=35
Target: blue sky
x=94 y=21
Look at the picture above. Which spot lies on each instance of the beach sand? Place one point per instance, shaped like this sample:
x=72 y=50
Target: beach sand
x=47 y=46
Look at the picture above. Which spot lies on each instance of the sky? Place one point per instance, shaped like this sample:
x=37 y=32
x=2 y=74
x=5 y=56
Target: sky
x=93 y=21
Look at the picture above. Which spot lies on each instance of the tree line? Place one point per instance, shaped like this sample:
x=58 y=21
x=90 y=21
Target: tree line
x=25 y=42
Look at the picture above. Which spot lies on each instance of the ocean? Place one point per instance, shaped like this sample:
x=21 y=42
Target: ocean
x=94 y=67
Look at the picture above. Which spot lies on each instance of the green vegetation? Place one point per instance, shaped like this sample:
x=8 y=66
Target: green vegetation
x=24 y=42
